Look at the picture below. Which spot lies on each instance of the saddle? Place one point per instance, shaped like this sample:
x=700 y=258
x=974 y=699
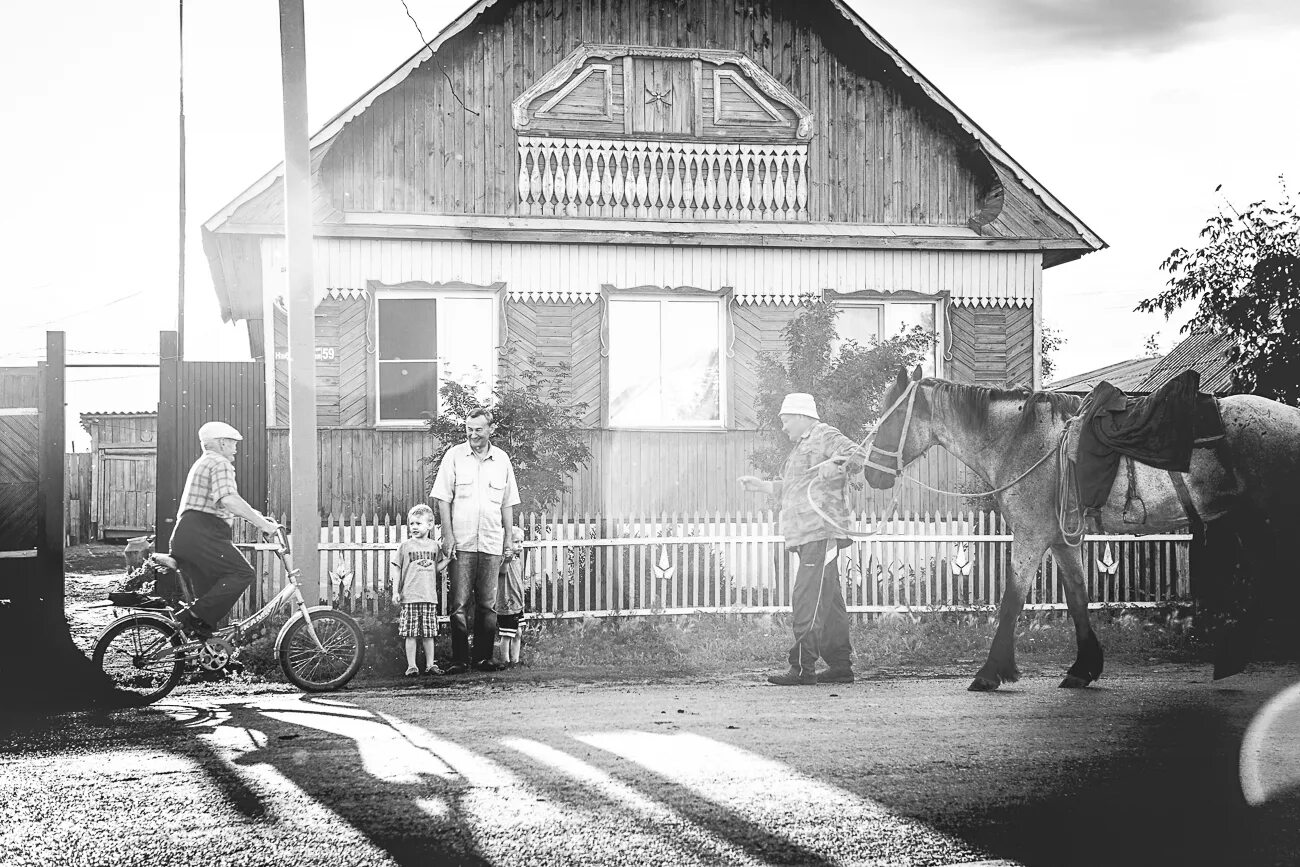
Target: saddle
x=1159 y=430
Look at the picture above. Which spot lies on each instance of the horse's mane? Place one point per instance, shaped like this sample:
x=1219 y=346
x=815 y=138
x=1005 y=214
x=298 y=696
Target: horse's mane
x=971 y=402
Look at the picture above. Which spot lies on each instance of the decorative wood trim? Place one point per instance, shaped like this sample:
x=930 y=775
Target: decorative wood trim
x=422 y=285
x=719 y=117
x=604 y=69
x=723 y=181
x=562 y=71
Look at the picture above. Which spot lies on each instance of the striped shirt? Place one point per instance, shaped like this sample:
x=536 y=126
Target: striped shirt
x=211 y=478
x=800 y=523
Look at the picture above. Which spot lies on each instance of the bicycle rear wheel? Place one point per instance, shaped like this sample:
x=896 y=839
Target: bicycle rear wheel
x=328 y=666
x=136 y=654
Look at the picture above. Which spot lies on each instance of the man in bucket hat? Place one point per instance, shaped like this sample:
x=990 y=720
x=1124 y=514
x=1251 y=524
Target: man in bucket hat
x=816 y=472
x=201 y=542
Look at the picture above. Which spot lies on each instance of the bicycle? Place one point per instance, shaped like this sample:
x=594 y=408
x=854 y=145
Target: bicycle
x=146 y=652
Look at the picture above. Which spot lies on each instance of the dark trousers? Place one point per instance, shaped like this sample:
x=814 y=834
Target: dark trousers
x=201 y=544
x=821 y=622
x=474 y=573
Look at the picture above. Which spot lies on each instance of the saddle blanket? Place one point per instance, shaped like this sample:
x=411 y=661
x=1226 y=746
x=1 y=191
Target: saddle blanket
x=1159 y=430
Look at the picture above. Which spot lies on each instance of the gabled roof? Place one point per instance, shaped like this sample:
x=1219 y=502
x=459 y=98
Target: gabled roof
x=1127 y=376
x=1206 y=351
x=1001 y=160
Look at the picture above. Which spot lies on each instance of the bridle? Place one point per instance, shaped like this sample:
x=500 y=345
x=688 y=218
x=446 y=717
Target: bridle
x=895 y=454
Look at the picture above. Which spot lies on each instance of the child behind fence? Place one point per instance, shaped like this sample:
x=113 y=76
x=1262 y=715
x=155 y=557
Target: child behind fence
x=418 y=562
x=510 y=603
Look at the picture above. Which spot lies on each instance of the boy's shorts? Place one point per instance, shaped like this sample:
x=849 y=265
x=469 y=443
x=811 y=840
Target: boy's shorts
x=419 y=620
x=508 y=624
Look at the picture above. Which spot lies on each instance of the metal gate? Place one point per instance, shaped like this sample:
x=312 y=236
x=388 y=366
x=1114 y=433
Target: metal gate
x=194 y=392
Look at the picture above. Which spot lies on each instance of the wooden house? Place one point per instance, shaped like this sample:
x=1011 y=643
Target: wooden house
x=643 y=190
x=123 y=474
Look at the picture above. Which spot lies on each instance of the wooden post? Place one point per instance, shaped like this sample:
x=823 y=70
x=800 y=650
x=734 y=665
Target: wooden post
x=49 y=520
x=303 y=466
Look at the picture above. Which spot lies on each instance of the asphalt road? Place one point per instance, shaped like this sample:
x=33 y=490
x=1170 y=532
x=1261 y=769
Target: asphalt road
x=1141 y=768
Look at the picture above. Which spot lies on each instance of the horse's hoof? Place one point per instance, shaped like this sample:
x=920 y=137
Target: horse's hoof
x=1072 y=682
x=982 y=684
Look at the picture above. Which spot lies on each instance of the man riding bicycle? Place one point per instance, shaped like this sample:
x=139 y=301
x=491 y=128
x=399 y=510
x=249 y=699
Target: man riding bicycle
x=202 y=542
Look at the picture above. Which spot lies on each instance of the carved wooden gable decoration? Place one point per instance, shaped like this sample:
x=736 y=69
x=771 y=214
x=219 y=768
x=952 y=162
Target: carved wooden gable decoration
x=662 y=133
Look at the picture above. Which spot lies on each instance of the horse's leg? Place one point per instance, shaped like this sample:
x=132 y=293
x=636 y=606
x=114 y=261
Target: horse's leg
x=1000 y=667
x=1088 y=662
x=1246 y=587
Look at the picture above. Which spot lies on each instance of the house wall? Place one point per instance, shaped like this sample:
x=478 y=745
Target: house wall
x=443 y=141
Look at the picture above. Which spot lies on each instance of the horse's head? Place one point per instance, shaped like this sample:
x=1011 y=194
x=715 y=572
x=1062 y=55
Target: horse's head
x=902 y=432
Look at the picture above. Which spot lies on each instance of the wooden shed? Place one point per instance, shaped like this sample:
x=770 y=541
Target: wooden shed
x=642 y=190
x=124 y=446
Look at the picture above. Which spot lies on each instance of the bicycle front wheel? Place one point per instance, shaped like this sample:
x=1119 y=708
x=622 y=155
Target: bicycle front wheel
x=325 y=665
x=141 y=656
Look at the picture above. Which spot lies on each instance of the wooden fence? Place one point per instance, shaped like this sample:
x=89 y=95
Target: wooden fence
x=592 y=566
x=77 y=496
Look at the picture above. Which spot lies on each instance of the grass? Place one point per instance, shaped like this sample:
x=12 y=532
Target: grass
x=712 y=643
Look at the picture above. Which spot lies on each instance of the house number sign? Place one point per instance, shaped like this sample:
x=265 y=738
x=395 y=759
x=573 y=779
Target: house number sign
x=323 y=353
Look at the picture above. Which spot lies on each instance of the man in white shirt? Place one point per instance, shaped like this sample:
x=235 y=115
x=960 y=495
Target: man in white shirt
x=476 y=493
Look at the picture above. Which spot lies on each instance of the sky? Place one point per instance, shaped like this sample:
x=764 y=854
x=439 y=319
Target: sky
x=1129 y=112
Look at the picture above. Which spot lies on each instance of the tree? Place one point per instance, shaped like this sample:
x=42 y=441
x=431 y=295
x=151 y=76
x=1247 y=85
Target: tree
x=1245 y=276
x=536 y=425
x=848 y=384
x=1050 y=341
x=1151 y=349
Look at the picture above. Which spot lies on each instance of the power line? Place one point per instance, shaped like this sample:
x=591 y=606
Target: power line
x=441 y=68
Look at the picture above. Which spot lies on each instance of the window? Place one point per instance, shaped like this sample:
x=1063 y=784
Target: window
x=425 y=340
x=665 y=362
x=866 y=322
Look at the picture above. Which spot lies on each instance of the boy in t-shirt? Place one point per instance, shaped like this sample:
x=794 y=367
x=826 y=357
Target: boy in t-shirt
x=510 y=603
x=419 y=562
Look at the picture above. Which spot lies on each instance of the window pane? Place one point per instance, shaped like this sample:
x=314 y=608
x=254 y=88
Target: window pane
x=407 y=388
x=407 y=328
x=858 y=323
x=634 y=361
x=466 y=348
x=690 y=362
x=904 y=316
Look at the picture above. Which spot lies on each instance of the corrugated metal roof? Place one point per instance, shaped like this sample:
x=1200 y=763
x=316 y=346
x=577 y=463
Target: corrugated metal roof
x=1127 y=376
x=1204 y=350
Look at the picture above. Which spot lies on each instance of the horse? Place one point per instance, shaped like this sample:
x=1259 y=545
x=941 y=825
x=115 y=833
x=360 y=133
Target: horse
x=1012 y=439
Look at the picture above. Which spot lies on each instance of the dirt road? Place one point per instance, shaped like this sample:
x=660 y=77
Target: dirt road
x=1140 y=769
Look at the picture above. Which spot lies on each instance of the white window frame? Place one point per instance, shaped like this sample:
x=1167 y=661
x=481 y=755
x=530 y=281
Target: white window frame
x=724 y=384
x=844 y=302
x=438 y=295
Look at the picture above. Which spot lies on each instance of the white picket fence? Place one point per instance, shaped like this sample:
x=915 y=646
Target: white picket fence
x=592 y=566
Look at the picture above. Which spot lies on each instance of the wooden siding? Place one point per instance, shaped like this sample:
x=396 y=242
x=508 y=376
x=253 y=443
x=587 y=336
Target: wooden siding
x=755 y=273
x=442 y=141
x=344 y=364
x=364 y=471
x=991 y=346
x=756 y=330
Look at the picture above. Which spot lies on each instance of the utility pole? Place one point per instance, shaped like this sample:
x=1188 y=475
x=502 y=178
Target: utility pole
x=304 y=513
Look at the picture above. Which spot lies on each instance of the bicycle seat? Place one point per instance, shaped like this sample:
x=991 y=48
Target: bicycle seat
x=164 y=560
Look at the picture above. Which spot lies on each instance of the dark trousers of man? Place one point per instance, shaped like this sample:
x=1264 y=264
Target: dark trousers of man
x=219 y=574
x=474 y=573
x=821 y=622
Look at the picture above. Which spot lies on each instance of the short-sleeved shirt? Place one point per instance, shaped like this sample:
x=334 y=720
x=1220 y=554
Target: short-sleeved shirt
x=211 y=478
x=800 y=523
x=477 y=488
x=417 y=563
